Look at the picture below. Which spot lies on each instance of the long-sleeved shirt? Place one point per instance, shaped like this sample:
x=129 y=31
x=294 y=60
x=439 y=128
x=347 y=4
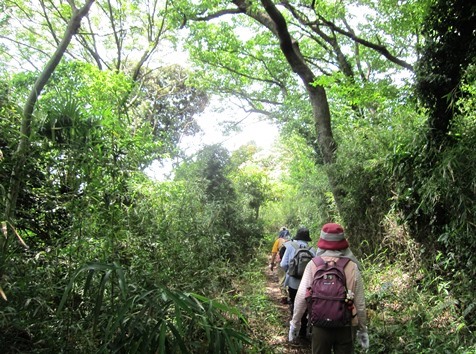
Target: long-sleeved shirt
x=354 y=282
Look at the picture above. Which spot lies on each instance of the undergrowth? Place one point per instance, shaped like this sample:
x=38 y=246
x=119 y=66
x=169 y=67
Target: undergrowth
x=410 y=309
x=263 y=317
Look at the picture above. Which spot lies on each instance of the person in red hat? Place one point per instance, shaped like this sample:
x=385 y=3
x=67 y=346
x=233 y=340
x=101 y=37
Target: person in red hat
x=333 y=245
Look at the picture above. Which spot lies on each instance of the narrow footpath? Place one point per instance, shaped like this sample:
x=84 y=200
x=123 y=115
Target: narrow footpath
x=279 y=341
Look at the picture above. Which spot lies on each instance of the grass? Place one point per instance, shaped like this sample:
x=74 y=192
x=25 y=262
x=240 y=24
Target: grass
x=410 y=309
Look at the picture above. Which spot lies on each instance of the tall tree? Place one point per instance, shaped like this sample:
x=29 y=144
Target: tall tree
x=21 y=152
x=132 y=38
x=448 y=51
x=320 y=45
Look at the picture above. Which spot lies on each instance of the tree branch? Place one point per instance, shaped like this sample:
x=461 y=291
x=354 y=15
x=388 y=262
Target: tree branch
x=217 y=14
x=377 y=47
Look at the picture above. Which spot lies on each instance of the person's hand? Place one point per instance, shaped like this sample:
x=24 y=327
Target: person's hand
x=363 y=338
x=293 y=332
x=271 y=266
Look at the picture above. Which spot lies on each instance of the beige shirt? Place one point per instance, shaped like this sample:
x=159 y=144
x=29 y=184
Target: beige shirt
x=354 y=282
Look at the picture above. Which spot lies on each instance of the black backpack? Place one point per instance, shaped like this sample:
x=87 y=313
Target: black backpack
x=327 y=299
x=301 y=258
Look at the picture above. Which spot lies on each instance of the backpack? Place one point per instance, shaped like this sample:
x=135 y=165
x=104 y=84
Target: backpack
x=281 y=250
x=298 y=263
x=327 y=299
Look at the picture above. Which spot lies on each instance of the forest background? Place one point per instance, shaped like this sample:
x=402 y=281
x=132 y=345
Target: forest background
x=375 y=104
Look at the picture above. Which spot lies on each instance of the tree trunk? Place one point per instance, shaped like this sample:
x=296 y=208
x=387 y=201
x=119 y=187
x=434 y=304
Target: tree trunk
x=276 y=23
x=449 y=50
x=21 y=154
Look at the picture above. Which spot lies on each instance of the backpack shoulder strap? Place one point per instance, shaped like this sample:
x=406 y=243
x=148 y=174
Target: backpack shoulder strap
x=318 y=261
x=342 y=262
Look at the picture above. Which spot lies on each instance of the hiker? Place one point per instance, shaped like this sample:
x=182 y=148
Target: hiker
x=329 y=336
x=283 y=237
x=299 y=242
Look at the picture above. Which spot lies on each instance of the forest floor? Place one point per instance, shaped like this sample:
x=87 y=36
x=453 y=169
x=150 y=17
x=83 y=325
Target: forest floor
x=279 y=340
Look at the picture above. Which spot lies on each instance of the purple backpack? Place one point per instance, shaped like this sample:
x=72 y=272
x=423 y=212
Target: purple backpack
x=327 y=302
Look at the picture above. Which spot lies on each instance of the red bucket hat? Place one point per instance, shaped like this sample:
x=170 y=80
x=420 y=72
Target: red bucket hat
x=332 y=238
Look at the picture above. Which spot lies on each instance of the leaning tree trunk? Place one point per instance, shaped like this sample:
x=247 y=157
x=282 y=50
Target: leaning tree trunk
x=276 y=23
x=21 y=153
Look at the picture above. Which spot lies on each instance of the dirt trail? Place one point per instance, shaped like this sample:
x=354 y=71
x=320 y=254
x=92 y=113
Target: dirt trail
x=279 y=340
